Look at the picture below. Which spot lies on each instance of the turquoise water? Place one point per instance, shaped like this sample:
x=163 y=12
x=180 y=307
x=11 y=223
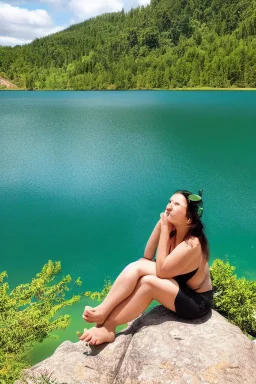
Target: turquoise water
x=85 y=175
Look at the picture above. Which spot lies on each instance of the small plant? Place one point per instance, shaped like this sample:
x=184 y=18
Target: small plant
x=42 y=379
x=28 y=314
x=234 y=298
x=100 y=296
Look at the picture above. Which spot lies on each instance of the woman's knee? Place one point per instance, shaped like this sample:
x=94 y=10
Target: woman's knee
x=148 y=280
x=141 y=268
x=146 y=267
x=162 y=290
x=155 y=281
x=132 y=268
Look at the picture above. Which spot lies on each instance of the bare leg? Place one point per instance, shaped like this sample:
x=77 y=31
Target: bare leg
x=148 y=288
x=121 y=289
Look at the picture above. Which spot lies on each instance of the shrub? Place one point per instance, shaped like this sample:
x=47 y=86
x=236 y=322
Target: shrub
x=28 y=315
x=234 y=298
x=100 y=296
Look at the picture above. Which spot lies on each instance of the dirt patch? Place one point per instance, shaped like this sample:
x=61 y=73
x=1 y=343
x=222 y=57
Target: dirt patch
x=7 y=84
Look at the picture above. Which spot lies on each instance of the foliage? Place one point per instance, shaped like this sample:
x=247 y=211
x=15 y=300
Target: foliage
x=168 y=44
x=100 y=296
x=234 y=298
x=28 y=314
x=42 y=379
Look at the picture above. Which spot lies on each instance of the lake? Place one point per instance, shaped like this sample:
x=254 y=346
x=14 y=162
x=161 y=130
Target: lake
x=85 y=175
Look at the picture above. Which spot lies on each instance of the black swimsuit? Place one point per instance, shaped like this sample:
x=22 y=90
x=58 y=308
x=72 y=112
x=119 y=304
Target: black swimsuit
x=182 y=279
x=188 y=303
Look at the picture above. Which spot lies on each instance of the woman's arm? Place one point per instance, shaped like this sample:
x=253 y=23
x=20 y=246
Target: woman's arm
x=152 y=243
x=163 y=248
x=184 y=257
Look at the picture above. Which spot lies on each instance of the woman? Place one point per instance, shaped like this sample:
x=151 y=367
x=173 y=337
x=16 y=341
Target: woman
x=179 y=278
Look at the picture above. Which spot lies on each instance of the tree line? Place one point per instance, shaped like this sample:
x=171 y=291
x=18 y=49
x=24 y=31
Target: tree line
x=167 y=44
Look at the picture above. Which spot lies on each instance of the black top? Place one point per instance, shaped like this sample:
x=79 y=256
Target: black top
x=182 y=279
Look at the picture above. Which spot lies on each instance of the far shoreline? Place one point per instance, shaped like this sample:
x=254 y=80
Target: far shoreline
x=134 y=89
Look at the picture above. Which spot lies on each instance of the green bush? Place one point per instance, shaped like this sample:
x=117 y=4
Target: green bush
x=41 y=379
x=28 y=315
x=100 y=296
x=234 y=298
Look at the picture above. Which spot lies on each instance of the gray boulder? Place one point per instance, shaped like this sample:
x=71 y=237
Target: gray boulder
x=158 y=347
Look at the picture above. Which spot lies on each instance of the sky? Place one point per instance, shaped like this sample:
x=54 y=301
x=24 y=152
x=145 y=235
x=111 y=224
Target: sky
x=21 y=21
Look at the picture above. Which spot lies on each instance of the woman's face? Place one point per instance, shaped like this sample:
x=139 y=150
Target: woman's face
x=176 y=209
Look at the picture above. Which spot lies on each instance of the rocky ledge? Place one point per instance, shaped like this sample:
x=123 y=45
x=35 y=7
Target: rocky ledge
x=158 y=347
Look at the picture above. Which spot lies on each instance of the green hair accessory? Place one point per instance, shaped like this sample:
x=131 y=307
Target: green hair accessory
x=197 y=199
x=200 y=211
x=194 y=197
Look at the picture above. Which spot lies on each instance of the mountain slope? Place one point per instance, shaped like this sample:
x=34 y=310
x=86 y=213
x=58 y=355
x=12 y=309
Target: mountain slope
x=169 y=44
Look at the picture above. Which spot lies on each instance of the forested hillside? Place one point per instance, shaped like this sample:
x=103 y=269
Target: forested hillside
x=168 y=44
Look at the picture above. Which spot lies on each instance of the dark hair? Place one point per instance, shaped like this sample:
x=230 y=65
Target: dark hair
x=196 y=227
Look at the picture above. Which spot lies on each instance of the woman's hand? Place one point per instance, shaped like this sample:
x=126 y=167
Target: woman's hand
x=165 y=223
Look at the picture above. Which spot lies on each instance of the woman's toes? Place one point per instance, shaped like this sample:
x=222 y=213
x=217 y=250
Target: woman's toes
x=98 y=335
x=83 y=336
x=86 y=336
x=87 y=310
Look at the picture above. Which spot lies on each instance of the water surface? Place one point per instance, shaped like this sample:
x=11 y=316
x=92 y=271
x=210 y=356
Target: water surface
x=85 y=175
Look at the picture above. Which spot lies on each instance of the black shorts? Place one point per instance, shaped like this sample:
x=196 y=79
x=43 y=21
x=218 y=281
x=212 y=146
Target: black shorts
x=190 y=304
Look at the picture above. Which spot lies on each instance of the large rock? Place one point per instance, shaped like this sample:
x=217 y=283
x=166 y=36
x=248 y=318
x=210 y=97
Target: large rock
x=158 y=347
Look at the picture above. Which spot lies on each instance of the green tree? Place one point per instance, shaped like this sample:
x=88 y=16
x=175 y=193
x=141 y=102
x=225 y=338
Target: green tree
x=202 y=43
x=28 y=314
x=234 y=298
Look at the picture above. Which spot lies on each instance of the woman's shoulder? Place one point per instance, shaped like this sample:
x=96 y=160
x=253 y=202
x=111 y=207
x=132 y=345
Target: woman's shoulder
x=193 y=242
x=192 y=248
x=189 y=248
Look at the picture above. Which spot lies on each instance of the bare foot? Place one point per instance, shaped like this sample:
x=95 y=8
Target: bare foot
x=98 y=335
x=93 y=315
